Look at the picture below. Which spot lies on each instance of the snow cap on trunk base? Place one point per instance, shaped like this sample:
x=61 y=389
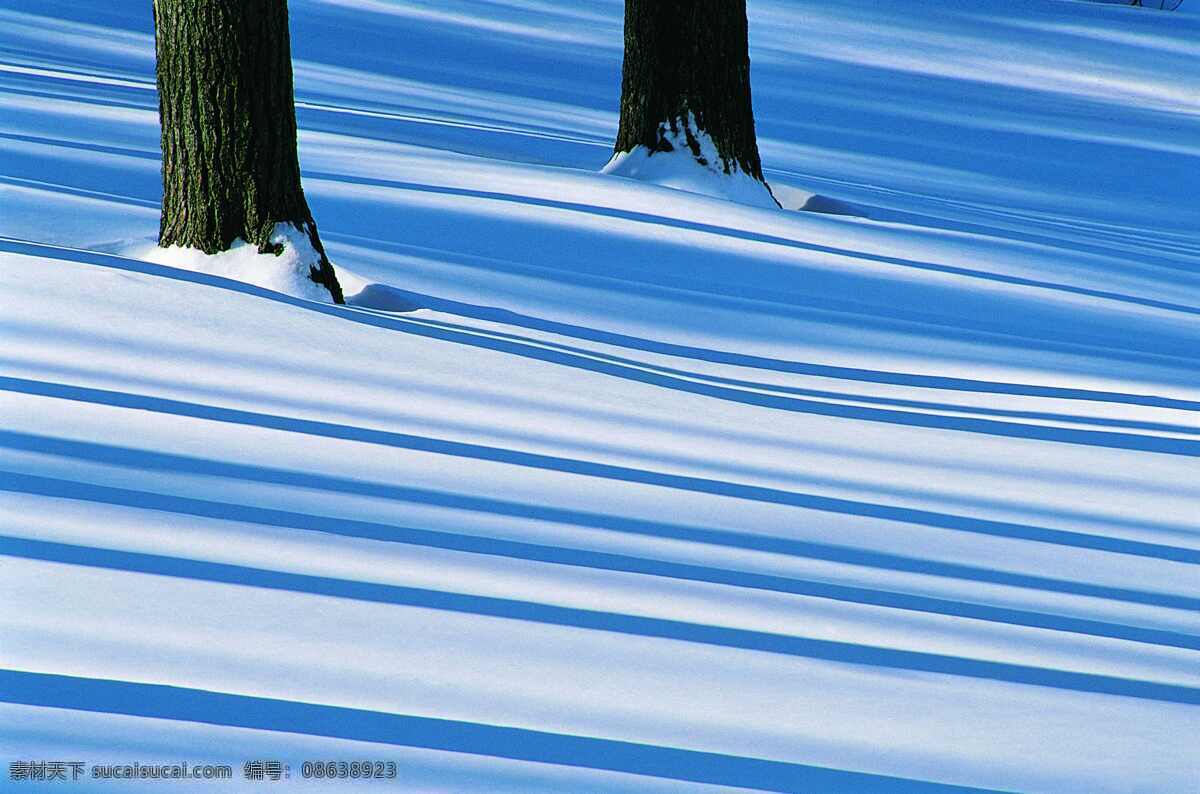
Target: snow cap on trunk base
x=287 y=271
x=686 y=158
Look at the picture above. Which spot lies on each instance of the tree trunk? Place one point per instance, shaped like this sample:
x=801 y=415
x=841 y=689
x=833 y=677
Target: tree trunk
x=229 y=163
x=688 y=62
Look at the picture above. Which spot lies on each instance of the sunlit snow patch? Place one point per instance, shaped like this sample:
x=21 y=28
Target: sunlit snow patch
x=286 y=272
x=678 y=168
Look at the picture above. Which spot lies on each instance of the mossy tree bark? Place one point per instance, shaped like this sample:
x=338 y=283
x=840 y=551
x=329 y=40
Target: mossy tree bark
x=689 y=59
x=229 y=165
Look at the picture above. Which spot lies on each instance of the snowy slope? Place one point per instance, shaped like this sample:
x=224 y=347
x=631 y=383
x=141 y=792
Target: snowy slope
x=602 y=486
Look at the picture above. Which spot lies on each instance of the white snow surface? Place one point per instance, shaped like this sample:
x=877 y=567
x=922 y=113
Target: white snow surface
x=680 y=168
x=601 y=485
x=286 y=272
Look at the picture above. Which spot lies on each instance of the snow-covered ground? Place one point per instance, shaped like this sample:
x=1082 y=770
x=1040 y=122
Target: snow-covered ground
x=602 y=486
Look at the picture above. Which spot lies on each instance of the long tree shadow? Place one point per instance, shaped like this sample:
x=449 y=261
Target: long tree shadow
x=245 y=711
x=389 y=299
x=602 y=470
x=147 y=460
x=403 y=301
x=607 y=561
x=743 y=234
x=595 y=620
x=1132 y=441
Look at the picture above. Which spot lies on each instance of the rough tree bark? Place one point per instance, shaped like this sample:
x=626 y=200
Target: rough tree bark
x=229 y=165
x=688 y=57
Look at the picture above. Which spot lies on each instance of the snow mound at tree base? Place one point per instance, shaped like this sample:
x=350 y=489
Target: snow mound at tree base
x=287 y=272
x=675 y=166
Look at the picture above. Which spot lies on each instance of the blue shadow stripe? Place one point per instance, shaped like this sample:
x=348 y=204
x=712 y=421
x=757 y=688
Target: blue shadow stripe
x=474 y=544
x=507 y=317
x=602 y=470
x=1167 y=445
x=746 y=360
x=243 y=711
x=450 y=307
x=548 y=614
x=759 y=237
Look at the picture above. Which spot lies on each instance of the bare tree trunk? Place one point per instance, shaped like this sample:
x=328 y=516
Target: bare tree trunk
x=688 y=62
x=229 y=163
